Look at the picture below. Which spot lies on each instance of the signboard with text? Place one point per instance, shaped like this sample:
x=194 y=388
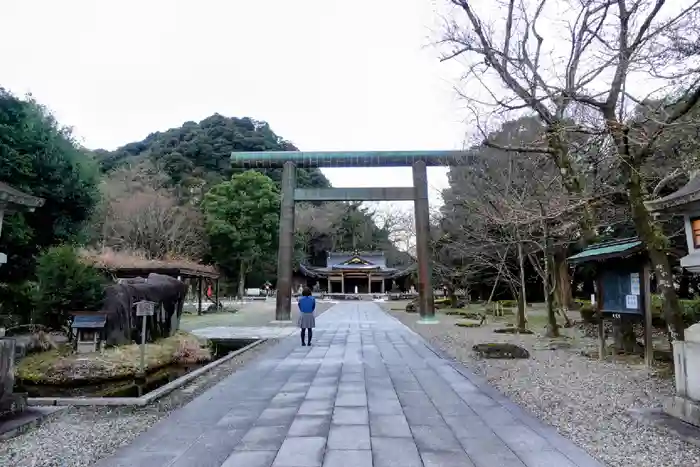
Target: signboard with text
x=145 y=308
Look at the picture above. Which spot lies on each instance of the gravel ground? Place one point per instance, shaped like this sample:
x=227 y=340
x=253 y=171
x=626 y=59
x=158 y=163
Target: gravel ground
x=79 y=436
x=586 y=400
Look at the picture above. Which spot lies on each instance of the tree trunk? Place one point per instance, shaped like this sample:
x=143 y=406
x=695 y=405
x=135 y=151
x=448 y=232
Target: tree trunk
x=495 y=284
x=522 y=303
x=570 y=180
x=654 y=240
x=552 y=326
x=452 y=295
x=648 y=231
x=241 y=280
x=563 y=279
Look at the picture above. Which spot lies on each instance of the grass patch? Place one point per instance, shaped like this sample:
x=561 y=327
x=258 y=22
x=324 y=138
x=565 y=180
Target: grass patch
x=60 y=366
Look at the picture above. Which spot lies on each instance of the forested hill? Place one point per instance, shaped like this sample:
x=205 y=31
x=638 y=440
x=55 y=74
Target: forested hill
x=189 y=160
x=198 y=154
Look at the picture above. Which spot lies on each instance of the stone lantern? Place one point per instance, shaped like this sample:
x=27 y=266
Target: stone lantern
x=11 y=200
x=685 y=202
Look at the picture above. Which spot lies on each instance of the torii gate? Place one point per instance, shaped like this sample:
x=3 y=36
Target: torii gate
x=418 y=193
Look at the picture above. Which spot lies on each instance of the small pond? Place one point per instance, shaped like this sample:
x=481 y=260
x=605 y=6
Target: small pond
x=132 y=387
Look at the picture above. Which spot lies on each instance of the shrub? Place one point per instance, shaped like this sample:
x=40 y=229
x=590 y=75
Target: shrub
x=17 y=303
x=588 y=313
x=509 y=303
x=65 y=285
x=691 y=310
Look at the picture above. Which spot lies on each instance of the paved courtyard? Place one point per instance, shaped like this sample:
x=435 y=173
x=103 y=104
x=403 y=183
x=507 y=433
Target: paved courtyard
x=369 y=392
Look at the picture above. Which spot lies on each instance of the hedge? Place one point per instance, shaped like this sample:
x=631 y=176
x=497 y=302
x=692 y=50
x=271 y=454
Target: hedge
x=691 y=311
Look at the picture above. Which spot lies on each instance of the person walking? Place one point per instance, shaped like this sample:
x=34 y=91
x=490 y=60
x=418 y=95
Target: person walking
x=307 y=321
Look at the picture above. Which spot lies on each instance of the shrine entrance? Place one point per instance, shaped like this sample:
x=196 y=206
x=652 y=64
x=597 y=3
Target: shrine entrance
x=418 y=193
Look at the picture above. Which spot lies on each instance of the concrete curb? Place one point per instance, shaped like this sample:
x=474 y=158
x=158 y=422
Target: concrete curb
x=146 y=398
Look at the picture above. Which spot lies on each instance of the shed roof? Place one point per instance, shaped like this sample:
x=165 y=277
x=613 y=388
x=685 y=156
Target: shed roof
x=608 y=250
x=123 y=264
x=93 y=321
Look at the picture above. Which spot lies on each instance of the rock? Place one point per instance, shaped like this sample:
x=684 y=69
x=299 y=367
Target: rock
x=500 y=350
x=455 y=313
x=512 y=330
x=412 y=307
x=468 y=323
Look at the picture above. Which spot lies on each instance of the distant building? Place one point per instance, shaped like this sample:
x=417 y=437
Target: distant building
x=354 y=272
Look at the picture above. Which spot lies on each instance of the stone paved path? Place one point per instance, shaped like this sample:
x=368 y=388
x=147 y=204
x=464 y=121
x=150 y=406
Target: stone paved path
x=369 y=392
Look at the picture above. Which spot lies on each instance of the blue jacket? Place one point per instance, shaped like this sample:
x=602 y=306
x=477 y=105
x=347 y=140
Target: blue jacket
x=307 y=304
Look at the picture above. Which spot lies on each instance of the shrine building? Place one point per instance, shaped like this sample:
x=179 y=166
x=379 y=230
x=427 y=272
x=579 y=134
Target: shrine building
x=354 y=273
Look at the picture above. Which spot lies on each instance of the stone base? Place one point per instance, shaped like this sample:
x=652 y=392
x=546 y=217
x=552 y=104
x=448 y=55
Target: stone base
x=683 y=409
x=12 y=404
x=281 y=321
x=428 y=320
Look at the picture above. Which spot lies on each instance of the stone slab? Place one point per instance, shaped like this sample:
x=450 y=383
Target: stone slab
x=370 y=392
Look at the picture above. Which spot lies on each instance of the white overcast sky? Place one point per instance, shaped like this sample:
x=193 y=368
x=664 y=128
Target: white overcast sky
x=326 y=74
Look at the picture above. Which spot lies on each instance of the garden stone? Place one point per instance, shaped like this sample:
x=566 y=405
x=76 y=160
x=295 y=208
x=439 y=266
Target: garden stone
x=500 y=350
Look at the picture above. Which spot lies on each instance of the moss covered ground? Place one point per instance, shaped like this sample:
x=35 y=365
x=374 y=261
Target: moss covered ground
x=61 y=366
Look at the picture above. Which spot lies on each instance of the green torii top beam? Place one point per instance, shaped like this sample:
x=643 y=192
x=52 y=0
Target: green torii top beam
x=276 y=159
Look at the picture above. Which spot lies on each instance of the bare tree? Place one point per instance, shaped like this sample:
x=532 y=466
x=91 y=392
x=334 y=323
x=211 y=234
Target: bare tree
x=138 y=214
x=512 y=204
x=575 y=66
x=399 y=224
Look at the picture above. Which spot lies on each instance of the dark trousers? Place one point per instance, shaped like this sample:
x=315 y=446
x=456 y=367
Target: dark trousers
x=303 y=335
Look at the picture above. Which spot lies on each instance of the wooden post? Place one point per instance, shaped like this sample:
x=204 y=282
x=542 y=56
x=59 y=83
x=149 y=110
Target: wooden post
x=216 y=294
x=329 y=285
x=199 y=295
x=143 y=346
x=646 y=303
x=144 y=309
x=369 y=282
x=599 y=308
x=383 y=285
x=342 y=282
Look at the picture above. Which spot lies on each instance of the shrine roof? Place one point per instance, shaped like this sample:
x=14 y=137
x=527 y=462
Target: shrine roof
x=342 y=259
x=687 y=194
x=355 y=261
